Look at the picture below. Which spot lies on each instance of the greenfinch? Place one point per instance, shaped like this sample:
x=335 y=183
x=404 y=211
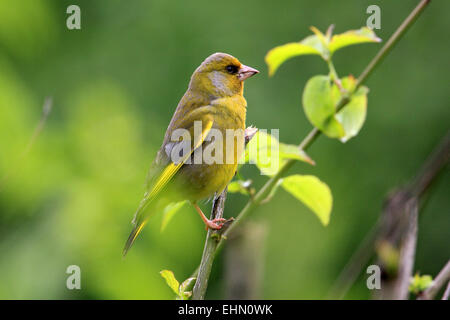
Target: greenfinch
x=212 y=107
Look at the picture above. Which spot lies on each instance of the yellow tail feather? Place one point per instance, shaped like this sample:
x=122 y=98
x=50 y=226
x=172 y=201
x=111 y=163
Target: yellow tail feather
x=133 y=235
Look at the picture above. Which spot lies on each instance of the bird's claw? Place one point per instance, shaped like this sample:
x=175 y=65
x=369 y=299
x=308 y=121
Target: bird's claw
x=212 y=224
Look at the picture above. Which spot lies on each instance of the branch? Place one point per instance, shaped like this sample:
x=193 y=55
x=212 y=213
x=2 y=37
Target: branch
x=387 y=226
x=304 y=145
x=213 y=236
x=441 y=279
x=407 y=252
x=447 y=292
x=407 y=23
x=399 y=230
x=210 y=247
x=398 y=235
x=435 y=163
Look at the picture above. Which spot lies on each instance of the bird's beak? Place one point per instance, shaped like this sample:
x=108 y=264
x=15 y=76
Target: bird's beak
x=246 y=72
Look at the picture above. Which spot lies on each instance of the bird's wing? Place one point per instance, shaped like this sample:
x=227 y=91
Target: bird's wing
x=158 y=181
x=172 y=168
x=181 y=120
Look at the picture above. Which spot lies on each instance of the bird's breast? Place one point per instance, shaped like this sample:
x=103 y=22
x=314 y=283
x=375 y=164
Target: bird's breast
x=220 y=153
x=230 y=112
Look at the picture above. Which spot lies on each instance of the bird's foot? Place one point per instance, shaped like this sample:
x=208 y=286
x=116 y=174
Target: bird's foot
x=213 y=224
x=221 y=220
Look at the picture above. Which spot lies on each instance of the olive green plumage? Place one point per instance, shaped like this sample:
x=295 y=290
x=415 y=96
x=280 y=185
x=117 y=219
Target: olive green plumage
x=215 y=99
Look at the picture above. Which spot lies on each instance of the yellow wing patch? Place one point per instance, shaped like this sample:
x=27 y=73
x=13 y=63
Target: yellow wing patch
x=172 y=168
x=162 y=181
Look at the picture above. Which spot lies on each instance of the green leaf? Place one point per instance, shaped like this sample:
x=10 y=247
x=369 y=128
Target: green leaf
x=319 y=106
x=314 y=193
x=318 y=44
x=419 y=284
x=278 y=55
x=352 y=37
x=324 y=51
x=263 y=152
x=269 y=154
x=353 y=115
x=290 y=151
x=320 y=99
x=170 y=280
x=313 y=44
x=169 y=212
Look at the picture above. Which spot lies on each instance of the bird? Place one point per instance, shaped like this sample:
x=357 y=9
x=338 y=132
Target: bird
x=211 y=108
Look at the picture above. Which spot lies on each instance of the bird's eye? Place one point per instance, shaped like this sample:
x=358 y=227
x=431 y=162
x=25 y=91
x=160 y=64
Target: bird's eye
x=232 y=69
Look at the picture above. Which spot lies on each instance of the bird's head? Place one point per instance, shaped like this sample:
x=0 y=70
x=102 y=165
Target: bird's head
x=221 y=75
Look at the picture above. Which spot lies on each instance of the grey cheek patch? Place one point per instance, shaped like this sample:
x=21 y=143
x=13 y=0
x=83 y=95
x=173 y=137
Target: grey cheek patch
x=218 y=80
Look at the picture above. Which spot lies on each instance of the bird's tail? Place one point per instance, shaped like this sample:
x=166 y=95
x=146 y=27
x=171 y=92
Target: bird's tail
x=139 y=221
x=133 y=235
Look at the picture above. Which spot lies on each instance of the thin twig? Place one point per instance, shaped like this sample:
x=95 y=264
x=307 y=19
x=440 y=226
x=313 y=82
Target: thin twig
x=447 y=292
x=407 y=252
x=46 y=108
x=435 y=163
x=213 y=236
x=441 y=279
x=309 y=139
x=211 y=242
x=399 y=235
x=407 y=23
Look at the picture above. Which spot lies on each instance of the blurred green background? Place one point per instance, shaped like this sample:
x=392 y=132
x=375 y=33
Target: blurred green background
x=115 y=84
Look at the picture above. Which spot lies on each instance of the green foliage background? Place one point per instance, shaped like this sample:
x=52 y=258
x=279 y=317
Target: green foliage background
x=115 y=84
